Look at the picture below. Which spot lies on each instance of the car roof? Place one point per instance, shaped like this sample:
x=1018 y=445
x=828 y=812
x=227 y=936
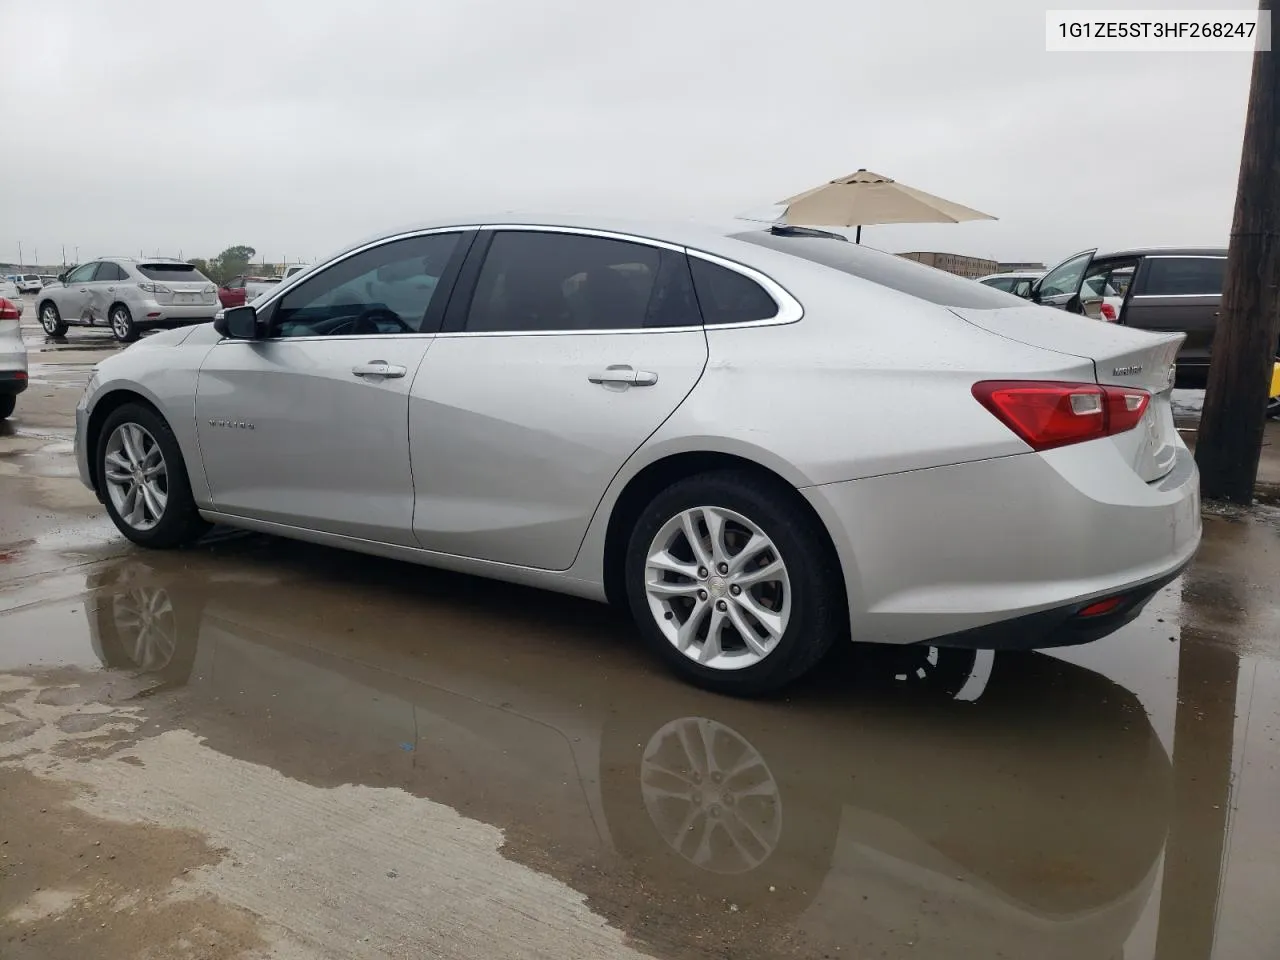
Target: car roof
x=711 y=236
x=1162 y=252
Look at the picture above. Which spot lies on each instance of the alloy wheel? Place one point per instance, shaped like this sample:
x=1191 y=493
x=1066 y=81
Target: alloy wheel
x=718 y=588
x=49 y=320
x=120 y=324
x=144 y=621
x=711 y=796
x=136 y=476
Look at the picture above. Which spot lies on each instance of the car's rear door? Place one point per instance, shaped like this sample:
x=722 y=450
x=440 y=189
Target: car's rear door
x=1179 y=293
x=309 y=427
x=562 y=352
x=102 y=289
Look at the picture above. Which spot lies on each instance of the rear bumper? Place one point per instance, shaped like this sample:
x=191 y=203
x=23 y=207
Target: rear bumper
x=12 y=382
x=151 y=314
x=1005 y=552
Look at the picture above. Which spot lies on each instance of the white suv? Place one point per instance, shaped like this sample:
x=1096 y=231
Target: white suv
x=129 y=295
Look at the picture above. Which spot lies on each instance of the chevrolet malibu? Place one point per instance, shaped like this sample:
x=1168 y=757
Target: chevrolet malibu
x=763 y=441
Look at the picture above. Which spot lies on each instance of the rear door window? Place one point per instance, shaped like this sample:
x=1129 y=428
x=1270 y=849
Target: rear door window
x=109 y=272
x=1184 y=276
x=543 y=281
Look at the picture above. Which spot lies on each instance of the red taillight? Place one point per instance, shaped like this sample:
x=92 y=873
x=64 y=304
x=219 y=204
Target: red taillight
x=1108 y=313
x=1048 y=414
x=8 y=310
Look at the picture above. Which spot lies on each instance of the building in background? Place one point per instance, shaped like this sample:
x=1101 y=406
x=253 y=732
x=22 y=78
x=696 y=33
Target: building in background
x=955 y=263
x=1021 y=266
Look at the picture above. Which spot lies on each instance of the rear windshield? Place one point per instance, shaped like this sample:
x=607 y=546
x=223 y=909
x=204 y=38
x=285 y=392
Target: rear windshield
x=30 y=276
x=177 y=272
x=1184 y=276
x=896 y=273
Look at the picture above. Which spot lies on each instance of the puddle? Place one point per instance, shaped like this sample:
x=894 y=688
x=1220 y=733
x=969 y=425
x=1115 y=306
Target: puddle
x=944 y=803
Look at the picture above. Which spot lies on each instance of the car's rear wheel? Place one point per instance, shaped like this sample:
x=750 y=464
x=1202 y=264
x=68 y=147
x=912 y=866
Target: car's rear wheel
x=734 y=583
x=51 y=321
x=8 y=403
x=144 y=480
x=122 y=326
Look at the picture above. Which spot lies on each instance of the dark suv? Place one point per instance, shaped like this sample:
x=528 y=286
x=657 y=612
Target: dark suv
x=1177 y=290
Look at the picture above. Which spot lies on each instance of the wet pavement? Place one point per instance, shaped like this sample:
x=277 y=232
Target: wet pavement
x=264 y=748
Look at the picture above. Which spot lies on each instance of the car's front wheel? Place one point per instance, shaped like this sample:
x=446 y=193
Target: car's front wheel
x=734 y=583
x=144 y=480
x=51 y=321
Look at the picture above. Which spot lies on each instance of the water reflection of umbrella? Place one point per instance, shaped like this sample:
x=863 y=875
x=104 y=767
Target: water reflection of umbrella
x=868 y=198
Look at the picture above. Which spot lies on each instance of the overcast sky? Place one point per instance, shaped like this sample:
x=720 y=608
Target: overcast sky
x=296 y=126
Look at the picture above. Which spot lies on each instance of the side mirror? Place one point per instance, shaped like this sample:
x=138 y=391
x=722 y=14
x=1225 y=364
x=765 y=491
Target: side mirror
x=237 y=323
x=62 y=277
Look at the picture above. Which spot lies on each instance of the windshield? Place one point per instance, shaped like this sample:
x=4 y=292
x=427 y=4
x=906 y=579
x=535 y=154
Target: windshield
x=896 y=273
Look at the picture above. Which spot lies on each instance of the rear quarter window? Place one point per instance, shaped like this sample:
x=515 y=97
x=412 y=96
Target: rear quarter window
x=1184 y=276
x=896 y=273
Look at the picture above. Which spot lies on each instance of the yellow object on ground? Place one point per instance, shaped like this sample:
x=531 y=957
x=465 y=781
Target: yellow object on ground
x=1275 y=381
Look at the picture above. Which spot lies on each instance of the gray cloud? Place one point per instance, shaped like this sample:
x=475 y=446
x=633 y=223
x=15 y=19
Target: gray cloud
x=297 y=127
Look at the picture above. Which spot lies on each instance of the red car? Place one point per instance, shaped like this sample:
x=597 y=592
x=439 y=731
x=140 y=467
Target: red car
x=241 y=290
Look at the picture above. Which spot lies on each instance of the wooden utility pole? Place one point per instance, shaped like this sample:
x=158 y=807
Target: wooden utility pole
x=1244 y=345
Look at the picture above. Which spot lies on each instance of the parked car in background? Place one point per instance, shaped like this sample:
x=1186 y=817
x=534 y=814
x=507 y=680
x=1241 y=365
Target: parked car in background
x=1165 y=289
x=296 y=268
x=47 y=280
x=9 y=291
x=1102 y=294
x=13 y=357
x=242 y=290
x=1017 y=282
x=129 y=296
x=29 y=283
x=624 y=412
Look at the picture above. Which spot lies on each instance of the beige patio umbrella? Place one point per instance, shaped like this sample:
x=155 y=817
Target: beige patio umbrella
x=868 y=198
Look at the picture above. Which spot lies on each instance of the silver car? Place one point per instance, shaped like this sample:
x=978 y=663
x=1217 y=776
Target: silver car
x=762 y=442
x=129 y=296
x=13 y=353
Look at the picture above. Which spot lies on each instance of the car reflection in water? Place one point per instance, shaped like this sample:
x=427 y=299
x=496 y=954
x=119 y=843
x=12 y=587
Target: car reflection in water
x=873 y=808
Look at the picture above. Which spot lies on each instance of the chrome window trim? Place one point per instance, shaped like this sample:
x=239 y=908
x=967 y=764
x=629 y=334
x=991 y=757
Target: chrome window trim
x=1171 y=296
x=789 y=308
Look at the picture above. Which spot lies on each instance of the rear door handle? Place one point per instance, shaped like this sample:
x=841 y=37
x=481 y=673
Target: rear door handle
x=379 y=368
x=622 y=374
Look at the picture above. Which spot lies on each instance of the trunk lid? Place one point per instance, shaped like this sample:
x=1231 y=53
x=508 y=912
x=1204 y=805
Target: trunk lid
x=1121 y=357
x=179 y=284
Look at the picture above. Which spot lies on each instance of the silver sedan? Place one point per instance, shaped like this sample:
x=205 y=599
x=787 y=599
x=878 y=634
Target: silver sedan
x=763 y=441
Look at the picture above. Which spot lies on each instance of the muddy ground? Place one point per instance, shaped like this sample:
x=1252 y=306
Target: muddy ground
x=258 y=748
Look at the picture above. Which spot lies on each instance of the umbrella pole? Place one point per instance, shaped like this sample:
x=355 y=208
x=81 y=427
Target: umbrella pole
x=857 y=237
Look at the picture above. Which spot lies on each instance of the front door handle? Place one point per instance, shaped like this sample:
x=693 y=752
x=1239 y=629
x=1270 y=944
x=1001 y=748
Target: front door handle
x=623 y=374
x=379 y=368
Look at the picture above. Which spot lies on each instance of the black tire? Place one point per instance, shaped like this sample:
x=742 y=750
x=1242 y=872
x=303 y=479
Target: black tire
x=819 y=614
x=8 y=403
x=122 y=326
x=51 y=321
x=180 y=524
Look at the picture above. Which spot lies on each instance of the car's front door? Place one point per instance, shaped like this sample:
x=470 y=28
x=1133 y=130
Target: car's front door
x=308 y=427
x=73 y=297
x=1060 y=287
x=102 y=290
x=562 y=353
